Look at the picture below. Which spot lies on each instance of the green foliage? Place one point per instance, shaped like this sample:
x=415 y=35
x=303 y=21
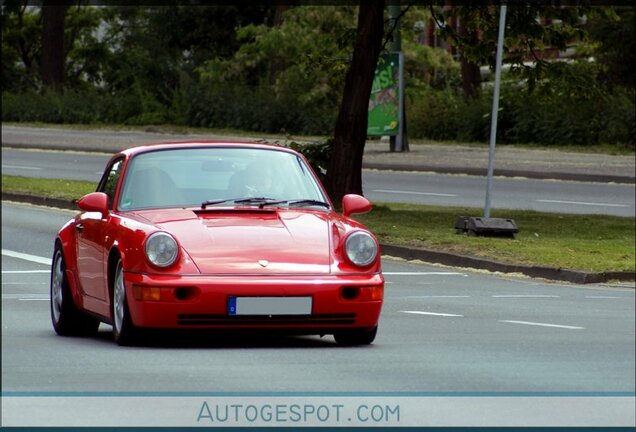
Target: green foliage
x=570 y=108
x=432 y=113
x=49 y=107
x=232 y=67
x=21 y=47
x=86 y=53
x=615 y=33
x=434 y=67
x=286 y=77
x=525 y=36
x=318 y=154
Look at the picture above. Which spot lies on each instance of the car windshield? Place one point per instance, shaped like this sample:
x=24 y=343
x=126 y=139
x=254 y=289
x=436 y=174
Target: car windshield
x=201 y=177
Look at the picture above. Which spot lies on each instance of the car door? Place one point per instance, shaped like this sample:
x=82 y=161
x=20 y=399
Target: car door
x=92 y=241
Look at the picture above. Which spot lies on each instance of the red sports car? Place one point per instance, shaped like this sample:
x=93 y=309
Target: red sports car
x=227 y=236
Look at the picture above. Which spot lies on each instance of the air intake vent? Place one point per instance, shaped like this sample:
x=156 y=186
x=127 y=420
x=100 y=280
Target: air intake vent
x=282 y=320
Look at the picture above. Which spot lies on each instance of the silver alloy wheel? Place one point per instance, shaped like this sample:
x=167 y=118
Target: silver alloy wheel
x=119 y=299
x=57 y=287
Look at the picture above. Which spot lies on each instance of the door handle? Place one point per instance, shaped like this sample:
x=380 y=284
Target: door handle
x=79 y=227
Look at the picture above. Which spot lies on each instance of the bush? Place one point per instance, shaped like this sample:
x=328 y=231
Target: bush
x=549 y=115
x=50 y=107
x=256 y=109
x=432 y=113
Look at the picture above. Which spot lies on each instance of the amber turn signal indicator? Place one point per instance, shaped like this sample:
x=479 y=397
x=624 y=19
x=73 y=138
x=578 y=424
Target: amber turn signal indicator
x=146 y=293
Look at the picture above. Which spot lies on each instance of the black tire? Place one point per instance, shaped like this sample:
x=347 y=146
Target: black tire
x=356 y=337
x=124 y=331
x=66 y=317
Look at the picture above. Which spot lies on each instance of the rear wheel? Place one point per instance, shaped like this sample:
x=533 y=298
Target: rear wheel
x=67 y=319
x=124 y=331
x=356 y=337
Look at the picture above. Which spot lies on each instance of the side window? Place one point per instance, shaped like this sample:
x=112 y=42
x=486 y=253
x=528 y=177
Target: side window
x=108 y=184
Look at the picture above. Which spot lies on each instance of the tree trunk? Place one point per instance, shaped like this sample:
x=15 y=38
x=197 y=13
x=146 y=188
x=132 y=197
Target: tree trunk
x=344 y=174
x=53 y=56
x=471 y=76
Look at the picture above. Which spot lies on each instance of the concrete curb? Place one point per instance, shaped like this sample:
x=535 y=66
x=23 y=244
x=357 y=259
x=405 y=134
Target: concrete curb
x=39 y=200
x=427 y=255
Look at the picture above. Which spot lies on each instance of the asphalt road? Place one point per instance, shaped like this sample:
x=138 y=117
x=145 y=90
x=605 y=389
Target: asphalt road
x=389 y=186
x=441 y=330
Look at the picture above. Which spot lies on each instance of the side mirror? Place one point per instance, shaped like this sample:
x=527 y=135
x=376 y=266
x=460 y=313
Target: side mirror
x=94 y=202
x=352 y=204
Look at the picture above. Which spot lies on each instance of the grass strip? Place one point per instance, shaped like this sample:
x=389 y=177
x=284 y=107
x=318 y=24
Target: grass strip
x=581 y=242
x=51 y=188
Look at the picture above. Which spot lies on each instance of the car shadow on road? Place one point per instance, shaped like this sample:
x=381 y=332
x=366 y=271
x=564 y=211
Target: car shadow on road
x=221 y=340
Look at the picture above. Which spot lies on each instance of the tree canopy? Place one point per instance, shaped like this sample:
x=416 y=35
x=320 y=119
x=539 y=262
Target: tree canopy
x=296 y=69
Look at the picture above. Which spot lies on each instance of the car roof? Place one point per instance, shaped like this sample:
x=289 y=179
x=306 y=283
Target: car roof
x=203 y=144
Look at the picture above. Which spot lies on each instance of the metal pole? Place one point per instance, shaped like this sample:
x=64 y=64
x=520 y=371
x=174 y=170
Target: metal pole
x=495 y=110
x=396 y=46
x=399 y=139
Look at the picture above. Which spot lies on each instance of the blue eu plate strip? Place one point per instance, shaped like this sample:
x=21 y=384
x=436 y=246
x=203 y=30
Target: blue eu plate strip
x=231 y=306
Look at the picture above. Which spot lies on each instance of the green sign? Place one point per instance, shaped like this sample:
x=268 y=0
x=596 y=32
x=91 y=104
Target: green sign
x=384 y=102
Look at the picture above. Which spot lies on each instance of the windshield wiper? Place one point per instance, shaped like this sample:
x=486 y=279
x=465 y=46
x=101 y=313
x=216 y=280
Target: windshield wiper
x=309 y=202
x=204 y=204
x=304 y=202
x=263 y=200
x=253 y=200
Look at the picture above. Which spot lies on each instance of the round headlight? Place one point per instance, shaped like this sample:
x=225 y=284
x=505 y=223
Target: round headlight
x=361 y=248
x=161 y=249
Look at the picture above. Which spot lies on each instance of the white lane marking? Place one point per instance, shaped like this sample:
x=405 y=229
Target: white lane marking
x=543 y=324
x=24 y=272
x=20 y=167
x=24 y=296
x=415 y=193
x=431 y=313
x=601 y=297
x=24 y=283
x=33 y=299
x=526 y=296
x=583 y=203
x=26 y=257
x=422 y=274
x=437 y=296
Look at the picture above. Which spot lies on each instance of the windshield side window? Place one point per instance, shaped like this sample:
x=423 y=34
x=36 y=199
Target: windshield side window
x=108 y=184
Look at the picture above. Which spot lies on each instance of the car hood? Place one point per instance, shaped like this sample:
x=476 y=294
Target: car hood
x=250 y=241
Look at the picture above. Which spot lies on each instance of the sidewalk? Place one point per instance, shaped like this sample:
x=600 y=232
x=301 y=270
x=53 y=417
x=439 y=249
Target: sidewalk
x=510 y=161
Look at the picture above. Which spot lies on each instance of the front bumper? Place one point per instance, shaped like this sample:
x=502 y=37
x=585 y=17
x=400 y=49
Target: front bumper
x=338 y=302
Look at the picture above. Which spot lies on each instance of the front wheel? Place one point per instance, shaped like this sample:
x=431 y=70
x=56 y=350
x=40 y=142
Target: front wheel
x=67 y=319
x=356 y=337
x=124 y=331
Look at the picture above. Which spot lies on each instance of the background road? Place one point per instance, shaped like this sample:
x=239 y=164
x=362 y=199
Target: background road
x=441 y=330
x=388 y=186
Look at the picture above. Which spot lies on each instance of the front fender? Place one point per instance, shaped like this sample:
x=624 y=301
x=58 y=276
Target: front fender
x=128 y=241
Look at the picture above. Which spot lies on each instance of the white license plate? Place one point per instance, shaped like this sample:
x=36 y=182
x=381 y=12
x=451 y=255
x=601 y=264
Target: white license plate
x=269 y=306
